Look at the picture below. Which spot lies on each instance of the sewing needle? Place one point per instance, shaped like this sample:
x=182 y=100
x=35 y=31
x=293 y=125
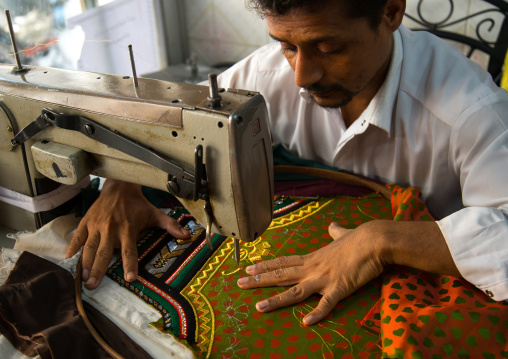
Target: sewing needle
x=237 y=252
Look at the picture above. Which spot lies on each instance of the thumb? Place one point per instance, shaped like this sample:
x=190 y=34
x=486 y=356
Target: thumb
x=171 y=225
x=336 y=231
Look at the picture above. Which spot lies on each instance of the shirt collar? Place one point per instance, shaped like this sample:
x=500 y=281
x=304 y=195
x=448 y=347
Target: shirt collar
x=380 y=109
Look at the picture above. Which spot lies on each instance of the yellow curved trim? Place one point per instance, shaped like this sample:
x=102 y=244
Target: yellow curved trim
x=252 y=251
x=293 y=217
x=204 y=278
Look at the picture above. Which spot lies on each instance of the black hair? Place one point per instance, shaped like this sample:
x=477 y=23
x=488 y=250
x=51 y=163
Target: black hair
x=370 y=9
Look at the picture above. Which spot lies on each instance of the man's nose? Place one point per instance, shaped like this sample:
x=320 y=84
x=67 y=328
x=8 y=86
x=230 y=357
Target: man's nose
x=307 y=70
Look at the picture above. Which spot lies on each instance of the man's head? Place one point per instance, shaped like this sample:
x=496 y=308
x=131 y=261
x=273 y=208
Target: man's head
x=339 y=49
x=369 y=9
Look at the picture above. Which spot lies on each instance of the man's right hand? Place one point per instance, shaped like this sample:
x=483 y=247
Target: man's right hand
x=114 y=221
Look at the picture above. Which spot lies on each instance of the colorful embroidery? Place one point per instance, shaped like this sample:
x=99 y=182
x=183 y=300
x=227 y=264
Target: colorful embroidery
x=403 y=313
x=241 y=331
x=214 y=314
x=163 y=260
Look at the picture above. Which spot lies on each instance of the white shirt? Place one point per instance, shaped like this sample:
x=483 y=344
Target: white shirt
x=438 y=123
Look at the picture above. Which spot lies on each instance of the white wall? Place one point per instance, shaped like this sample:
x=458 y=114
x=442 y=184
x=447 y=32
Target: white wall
x=223 y=30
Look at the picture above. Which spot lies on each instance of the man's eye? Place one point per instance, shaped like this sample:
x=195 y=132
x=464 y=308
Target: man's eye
x=330 y=50
x=287 y=49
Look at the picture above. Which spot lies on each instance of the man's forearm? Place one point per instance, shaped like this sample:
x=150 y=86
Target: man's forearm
x=419 y=245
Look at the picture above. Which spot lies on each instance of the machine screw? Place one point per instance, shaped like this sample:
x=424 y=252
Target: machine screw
x=89 y=130
x=173 y=187
x=9 y=129
x=238 y=119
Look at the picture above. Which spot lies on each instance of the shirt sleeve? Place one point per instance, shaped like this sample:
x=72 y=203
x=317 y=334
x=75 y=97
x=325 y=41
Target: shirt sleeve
x=243 y=74
x=477 y=235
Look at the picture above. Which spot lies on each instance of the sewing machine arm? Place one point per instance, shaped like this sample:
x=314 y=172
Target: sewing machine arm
x=213 y=154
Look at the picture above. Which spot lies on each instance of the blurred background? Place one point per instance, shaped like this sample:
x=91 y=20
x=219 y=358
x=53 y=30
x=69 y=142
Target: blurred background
x=177 y=40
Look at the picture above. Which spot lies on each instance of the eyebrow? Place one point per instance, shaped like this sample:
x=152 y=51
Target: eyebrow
x=275 y=38
x=311 y=41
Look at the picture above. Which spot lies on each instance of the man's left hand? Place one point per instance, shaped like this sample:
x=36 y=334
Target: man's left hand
x=334 y=271
x=355 y=257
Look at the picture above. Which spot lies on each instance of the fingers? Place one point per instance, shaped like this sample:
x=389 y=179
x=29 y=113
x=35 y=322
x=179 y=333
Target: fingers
x=90 y=247
x=99 y=252
x=291 y=296
x=275 y=264
x=130 y=257
x=323 y=308
x=336 y=231
x=298 y=293
x=278 y=277
x=77 y=241
x=171 y=225
x=281 y=271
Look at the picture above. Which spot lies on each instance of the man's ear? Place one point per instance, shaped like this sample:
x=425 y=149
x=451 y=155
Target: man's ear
x=394 y=13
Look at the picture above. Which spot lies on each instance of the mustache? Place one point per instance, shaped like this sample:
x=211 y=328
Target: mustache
x=317 y=88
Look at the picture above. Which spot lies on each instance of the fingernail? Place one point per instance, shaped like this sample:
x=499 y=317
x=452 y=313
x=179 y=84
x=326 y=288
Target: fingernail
x=242 y=280
x=85 y=274
x=185 y=232
x=308 y=320
x=91 y=281
x=262 y=305
x=130 y=277
x=250 y=269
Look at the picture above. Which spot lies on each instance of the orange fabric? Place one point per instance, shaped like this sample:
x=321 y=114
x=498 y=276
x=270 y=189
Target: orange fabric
x=407 y=204
x=426 y=315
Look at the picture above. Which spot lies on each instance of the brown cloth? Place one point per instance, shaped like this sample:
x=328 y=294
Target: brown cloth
x=38 y=315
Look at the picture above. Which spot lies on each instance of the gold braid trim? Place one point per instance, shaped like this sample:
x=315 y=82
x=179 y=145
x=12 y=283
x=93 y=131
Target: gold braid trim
x=195 y=296
x=293 y=217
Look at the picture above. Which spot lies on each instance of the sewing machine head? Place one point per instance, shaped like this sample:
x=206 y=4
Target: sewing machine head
x=209 y=147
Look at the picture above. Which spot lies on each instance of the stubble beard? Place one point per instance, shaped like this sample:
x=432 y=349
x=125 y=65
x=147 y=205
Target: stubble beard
x=347 y=95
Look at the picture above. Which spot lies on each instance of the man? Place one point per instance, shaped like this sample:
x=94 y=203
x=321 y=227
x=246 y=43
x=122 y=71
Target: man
x=356 y=90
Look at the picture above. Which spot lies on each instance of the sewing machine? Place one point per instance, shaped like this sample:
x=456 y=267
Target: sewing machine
x=208 y=147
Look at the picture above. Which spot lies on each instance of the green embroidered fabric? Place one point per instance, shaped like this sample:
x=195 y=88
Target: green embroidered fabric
x=199 y=300
x=403 y=313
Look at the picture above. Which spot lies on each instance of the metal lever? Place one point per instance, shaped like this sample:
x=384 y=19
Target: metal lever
x=209 y=219
x=200 y=184
x=19 y=67
x=133 y=66
x=214 y=97
x=183 y=184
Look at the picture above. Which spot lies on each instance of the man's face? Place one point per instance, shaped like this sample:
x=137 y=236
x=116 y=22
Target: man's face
x=336 y=59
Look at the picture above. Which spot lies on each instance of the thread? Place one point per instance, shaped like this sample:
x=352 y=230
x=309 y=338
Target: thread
x=52 y=42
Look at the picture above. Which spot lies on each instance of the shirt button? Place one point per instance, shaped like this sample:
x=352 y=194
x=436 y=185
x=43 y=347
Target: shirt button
x=489 y=293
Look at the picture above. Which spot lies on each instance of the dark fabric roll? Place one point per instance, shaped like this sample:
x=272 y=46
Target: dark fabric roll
x=38 y=315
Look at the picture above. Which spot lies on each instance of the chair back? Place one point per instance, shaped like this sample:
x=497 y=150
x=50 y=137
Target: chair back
x=490 y=24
